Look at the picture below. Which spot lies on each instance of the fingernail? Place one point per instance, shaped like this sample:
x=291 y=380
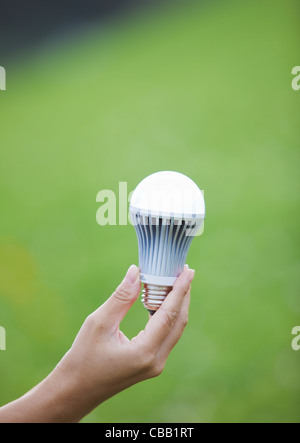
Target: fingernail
x=133 y=274
x=186 y=266
x=191 y=274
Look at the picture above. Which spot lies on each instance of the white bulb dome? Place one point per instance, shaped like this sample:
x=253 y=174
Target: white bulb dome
x=168 y=193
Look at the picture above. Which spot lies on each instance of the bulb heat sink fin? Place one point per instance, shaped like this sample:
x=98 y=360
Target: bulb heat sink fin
x=163 y=248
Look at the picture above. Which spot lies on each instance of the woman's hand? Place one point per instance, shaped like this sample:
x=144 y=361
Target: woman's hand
x=102 y=360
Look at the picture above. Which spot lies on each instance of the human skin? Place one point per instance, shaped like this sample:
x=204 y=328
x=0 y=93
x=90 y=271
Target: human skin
x=102 y=360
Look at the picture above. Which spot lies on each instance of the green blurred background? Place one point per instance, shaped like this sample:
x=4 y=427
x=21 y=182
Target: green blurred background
x=203 y=88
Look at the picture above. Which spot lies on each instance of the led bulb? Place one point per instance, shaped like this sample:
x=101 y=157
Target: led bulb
x=167 y=210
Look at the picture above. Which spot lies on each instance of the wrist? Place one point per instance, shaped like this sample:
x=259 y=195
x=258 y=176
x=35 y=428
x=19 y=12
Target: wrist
x=68 y=400
x=51 y=401
x=48 y=402
x=59 y=398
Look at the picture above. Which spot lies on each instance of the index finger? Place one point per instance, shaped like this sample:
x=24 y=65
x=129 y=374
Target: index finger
x=161 y=323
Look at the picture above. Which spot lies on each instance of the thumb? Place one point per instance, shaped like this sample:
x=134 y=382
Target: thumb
x=119 y=303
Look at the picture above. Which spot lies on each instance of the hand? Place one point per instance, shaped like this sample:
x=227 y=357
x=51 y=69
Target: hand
x=103 y=361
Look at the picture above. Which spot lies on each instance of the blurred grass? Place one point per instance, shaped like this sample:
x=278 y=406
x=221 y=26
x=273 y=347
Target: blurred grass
x=201 y=89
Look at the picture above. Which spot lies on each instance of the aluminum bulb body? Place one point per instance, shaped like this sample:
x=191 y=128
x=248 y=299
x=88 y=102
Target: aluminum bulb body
x=167 y=210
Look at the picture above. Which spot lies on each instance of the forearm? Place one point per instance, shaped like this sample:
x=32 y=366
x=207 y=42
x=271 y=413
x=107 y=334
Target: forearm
x=62 y=397
x=54 y=400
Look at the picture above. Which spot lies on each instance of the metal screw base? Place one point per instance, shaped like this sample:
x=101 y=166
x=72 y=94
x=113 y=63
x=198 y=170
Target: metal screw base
x=153 y=296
